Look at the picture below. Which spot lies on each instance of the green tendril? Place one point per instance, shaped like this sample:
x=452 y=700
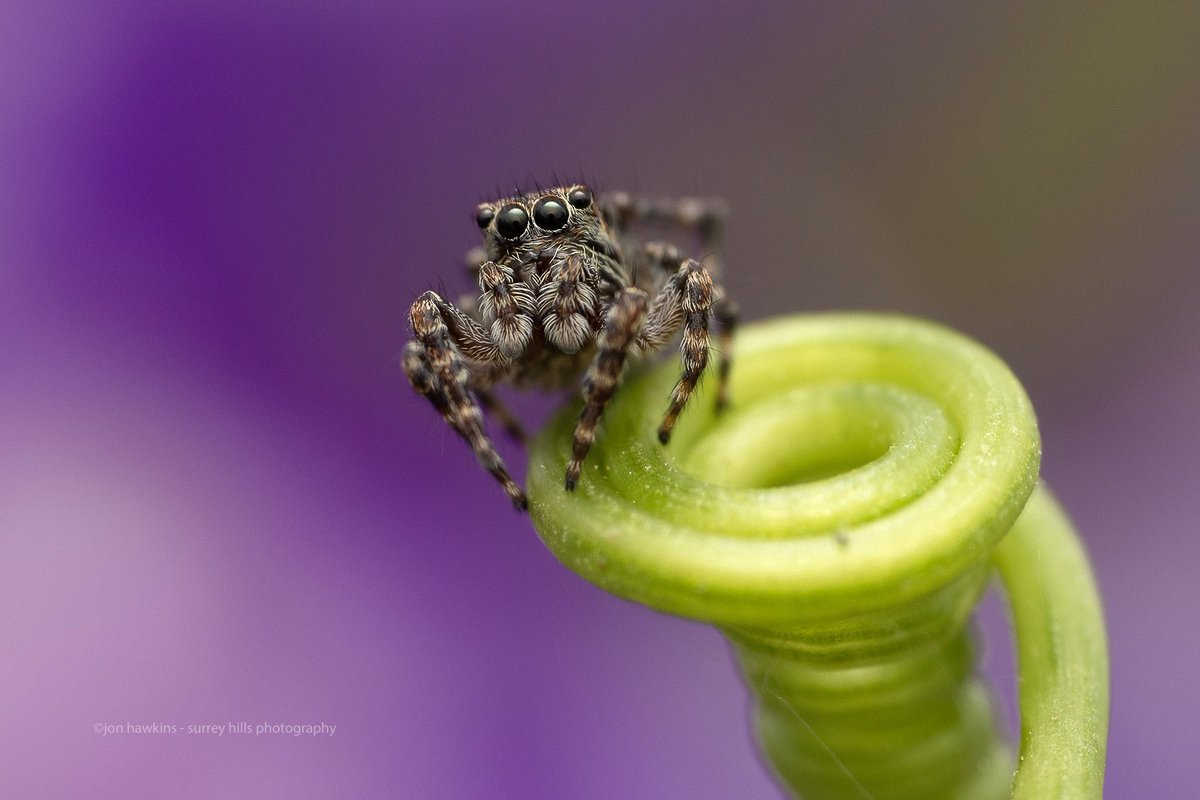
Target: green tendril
x=838 y=523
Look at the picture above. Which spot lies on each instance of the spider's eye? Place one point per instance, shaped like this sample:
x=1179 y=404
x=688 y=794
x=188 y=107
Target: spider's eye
x=512 y=221
x=580 y=198
x=484 y=216
x=550 y=214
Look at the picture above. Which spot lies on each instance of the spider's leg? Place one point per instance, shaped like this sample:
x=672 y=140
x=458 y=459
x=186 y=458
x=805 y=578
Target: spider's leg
x=472 y=260
x=725 y=312
x=705 y=217
x=685 y=299
x=502 y=414
x=621 y=325
x=436 y=368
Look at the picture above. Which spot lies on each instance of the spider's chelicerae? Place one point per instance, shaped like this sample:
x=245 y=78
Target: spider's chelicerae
x=566 y=288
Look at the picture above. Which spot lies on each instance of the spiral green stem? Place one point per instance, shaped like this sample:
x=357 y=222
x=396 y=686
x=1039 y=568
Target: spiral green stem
x=838 y=523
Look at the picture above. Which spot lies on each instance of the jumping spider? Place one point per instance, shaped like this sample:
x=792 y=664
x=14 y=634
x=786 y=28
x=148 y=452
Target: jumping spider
x=566 y=289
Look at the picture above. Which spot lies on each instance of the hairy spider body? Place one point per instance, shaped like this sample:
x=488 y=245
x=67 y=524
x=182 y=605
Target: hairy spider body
x=566 y=289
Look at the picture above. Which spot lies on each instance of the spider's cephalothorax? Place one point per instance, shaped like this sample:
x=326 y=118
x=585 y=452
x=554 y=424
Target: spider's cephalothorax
x=565 y=289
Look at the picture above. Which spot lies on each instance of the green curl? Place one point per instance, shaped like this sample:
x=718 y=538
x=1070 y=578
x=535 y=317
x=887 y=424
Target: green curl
x=839 y=522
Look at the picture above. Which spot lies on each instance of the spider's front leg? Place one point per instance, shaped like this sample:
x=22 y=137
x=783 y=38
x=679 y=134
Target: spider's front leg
x=687 y=299
x=622 y=323
x=436 y=368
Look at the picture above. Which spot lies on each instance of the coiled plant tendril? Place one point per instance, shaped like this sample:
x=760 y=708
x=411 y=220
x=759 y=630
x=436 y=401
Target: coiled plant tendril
x=838 y=523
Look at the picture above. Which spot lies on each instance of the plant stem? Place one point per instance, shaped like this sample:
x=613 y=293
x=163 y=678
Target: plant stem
x=1062 y=655
x=838 y=524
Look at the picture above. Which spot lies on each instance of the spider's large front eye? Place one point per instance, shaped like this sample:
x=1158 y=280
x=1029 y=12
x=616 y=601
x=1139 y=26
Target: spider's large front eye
x=484 y=216
x=512 y=221
x=550 y=214
x=580 y=198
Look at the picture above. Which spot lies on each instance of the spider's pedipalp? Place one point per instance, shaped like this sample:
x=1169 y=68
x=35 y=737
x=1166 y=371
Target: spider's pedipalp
x=507 y=307
x=566 y=304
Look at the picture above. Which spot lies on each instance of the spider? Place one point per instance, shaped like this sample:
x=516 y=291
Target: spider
x=566 y=289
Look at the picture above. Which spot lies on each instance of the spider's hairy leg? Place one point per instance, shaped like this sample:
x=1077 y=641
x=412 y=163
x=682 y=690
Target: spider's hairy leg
x=436 y=368
x=472 y=260
x=502 y=414
x=705 y=218
x=622 y=323
x=686 y=298
x=725 y=312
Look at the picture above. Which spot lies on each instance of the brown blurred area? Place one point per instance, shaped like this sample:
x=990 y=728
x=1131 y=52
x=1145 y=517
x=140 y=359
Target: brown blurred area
x=1030 y=175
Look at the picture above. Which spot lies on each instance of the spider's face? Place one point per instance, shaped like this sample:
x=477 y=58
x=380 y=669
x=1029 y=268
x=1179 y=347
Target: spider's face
x=530 y=222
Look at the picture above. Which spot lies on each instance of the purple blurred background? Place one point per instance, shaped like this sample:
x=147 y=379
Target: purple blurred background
x=220 y=503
